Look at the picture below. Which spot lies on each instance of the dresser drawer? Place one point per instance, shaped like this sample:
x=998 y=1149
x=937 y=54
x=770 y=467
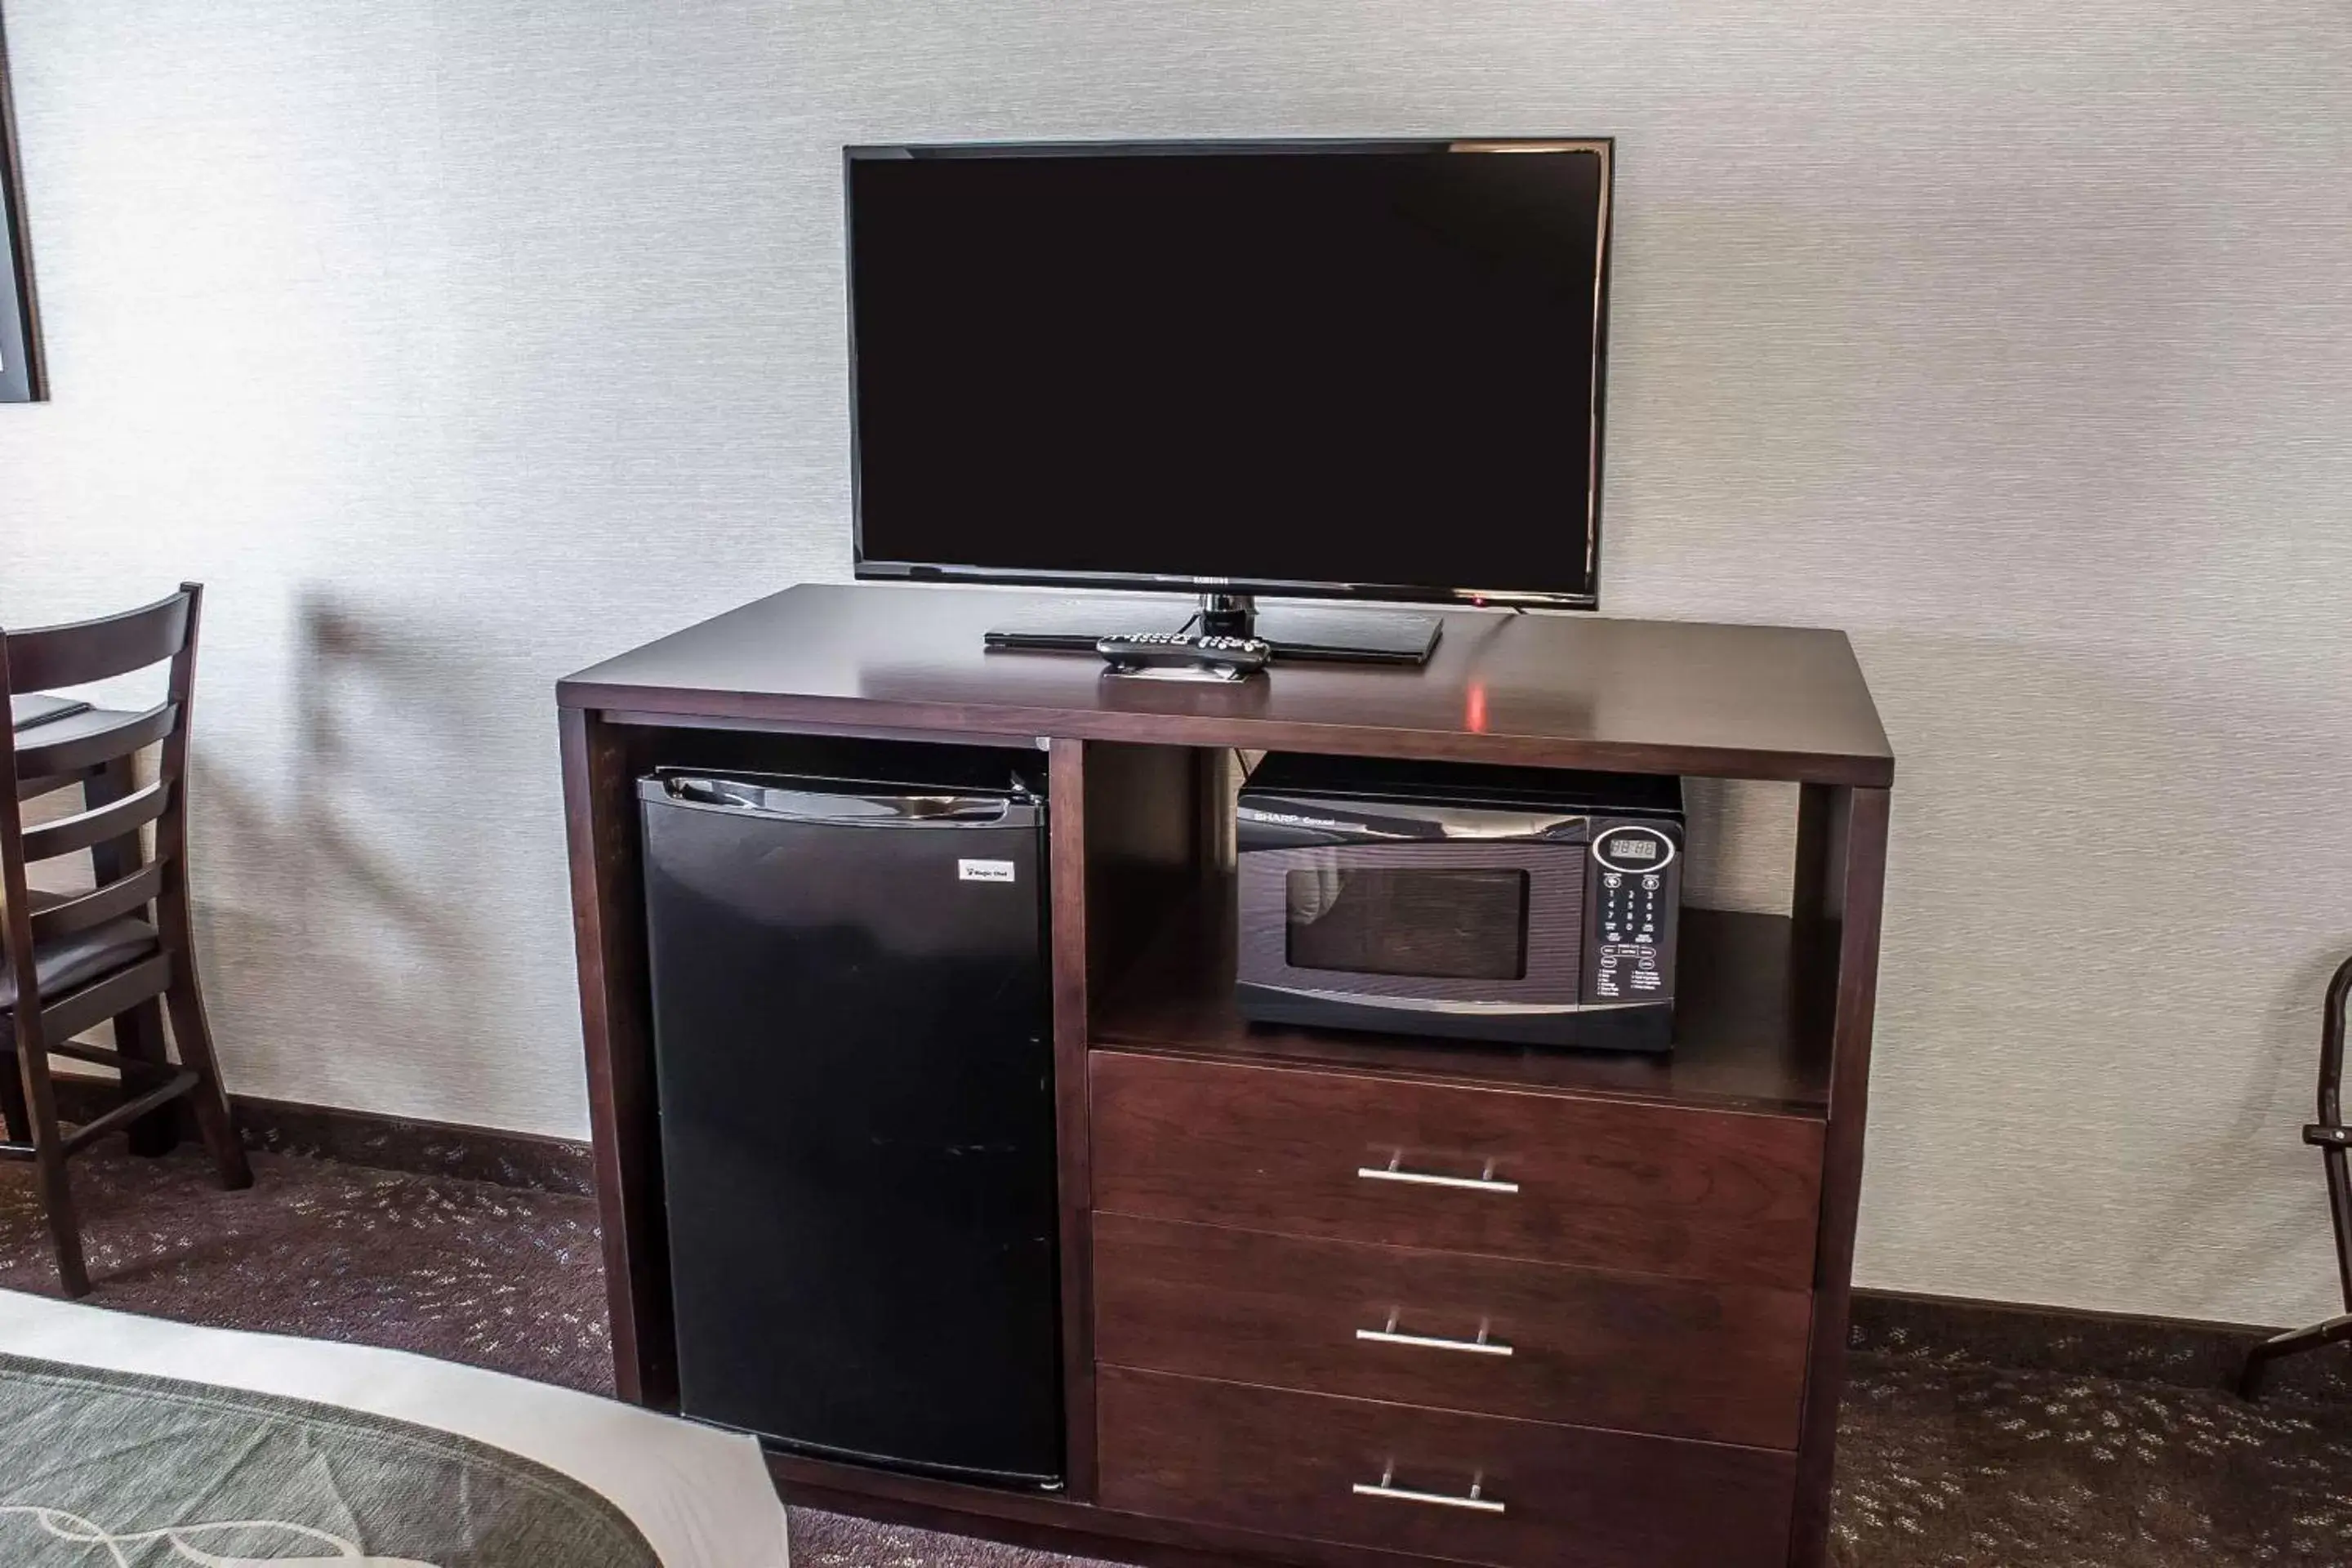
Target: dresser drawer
x=1390 y=1476
x=1681 y=1358
x=1646 y=1188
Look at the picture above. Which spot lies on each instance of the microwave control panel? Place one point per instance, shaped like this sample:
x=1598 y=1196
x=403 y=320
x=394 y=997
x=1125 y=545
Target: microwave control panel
x=1632 y=897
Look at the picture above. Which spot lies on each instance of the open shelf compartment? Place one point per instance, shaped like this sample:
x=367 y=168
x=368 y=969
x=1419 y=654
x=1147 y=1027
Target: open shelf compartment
x=1752 y=1024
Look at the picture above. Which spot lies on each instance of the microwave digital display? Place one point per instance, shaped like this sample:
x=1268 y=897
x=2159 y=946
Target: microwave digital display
x=1443 y=924
x=1634 y=849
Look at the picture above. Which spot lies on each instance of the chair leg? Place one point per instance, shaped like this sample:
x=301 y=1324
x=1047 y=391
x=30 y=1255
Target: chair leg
x=195 y=1040
x=65 y=1224
x=13 y=1112
x=50 y=1167
x=139 y=1034
x=2336 y=1331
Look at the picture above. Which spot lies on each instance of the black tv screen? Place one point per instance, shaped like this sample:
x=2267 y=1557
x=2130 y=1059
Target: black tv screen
x=1368 y=369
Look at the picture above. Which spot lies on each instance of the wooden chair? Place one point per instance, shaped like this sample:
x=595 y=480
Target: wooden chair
x=73 y=962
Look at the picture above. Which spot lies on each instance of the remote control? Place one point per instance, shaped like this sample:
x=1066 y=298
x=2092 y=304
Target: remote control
x=1184 y=656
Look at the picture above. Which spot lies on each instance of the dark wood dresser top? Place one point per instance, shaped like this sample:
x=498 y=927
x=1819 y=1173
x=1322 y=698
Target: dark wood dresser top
x=1767 y=703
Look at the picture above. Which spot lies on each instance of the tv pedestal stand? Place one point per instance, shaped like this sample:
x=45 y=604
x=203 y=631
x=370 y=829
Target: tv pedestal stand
x=1298 y=632
x=1227 y=616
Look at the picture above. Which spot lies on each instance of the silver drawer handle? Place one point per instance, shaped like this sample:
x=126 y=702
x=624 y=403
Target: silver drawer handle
x=1482 y=1345
x=1387 y=1488
x=1393 y=1172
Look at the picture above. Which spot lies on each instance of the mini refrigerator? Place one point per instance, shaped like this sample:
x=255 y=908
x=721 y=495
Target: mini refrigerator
x=853 y=1043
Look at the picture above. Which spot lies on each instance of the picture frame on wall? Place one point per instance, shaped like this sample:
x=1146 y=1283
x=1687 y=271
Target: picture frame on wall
x=21 y=378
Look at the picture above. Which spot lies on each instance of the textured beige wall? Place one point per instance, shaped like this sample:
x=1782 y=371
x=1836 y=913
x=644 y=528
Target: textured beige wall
x=458 y=343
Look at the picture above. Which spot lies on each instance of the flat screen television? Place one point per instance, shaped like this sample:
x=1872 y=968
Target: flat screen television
x=1367 y=370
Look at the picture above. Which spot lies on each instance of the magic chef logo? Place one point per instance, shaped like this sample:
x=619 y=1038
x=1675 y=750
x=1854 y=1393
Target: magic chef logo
x=985 y=870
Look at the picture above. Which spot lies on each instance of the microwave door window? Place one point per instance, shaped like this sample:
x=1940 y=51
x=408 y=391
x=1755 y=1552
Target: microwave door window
x=1450 y=925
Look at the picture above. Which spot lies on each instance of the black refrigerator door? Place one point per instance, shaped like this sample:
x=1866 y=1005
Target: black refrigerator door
x=852 y=1036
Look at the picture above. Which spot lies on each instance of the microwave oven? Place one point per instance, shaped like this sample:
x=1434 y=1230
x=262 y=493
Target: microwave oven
x=1523 y=905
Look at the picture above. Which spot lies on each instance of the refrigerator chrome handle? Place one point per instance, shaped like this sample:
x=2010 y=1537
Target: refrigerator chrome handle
x=846 y=809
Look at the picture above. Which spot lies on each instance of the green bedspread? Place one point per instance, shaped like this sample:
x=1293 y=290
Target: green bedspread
x=104 y=1469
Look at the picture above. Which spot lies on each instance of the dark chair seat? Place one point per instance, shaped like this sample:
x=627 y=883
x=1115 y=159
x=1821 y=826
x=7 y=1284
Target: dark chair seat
x=81 y=956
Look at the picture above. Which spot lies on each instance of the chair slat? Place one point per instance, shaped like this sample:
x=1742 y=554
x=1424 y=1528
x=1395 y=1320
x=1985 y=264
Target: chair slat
x=49 y=783
x=126 y=734
x=50 y=657
x=112 y=901
x=85 y=1009
x=99 y=824
x=123 y=1115
x=97 y=1056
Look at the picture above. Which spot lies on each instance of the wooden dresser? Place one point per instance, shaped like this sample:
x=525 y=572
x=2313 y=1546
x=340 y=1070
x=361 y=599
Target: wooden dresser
x=1334 y=1298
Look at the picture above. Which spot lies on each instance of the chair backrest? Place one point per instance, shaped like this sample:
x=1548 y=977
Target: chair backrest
x=95 y=749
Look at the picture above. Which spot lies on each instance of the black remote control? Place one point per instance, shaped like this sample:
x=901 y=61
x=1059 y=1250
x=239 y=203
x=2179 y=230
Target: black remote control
x=1184 y=656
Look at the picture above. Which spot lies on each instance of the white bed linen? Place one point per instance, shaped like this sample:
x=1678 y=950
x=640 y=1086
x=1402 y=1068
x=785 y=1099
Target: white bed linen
x=701 y=1498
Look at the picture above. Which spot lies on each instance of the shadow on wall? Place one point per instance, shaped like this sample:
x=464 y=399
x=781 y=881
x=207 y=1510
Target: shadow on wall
x=356 y=953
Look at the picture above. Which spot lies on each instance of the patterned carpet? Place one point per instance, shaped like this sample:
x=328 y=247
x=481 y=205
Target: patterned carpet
x=1945 y=1461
